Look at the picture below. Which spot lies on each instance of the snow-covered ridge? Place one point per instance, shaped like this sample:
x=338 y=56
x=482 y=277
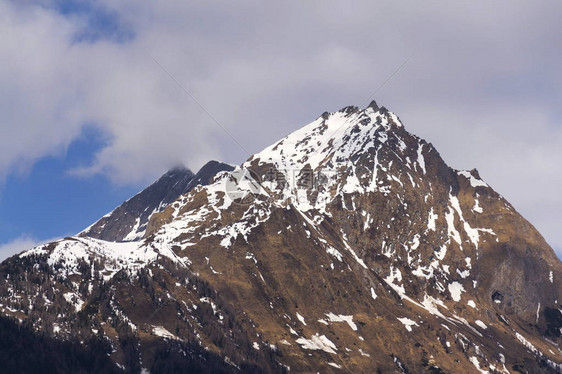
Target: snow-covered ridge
x=328 y=149
x=342 y=133
x=69 y=252
x=129 y=221
x=329 y=141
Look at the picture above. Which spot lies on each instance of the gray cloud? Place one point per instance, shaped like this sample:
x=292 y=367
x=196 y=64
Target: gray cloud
x=483 y=84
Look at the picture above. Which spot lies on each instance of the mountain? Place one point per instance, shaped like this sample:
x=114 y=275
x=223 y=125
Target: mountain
x=348 y=246
x=128 y=221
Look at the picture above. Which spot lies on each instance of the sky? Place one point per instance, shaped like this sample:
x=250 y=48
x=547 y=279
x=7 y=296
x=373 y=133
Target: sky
x=99 y=98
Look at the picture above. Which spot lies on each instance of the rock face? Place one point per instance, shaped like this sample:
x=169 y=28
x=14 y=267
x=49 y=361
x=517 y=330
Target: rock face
x=129 y=220
x=348 y=246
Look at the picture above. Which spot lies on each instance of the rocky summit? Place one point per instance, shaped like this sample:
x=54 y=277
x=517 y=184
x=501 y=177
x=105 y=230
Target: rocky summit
x=349 y=246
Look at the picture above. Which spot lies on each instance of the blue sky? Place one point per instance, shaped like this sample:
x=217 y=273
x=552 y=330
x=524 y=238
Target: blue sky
x=90 y=114
x=100 y=21
x=47 y=202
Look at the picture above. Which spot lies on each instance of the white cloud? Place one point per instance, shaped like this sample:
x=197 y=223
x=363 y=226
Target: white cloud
x=483 y=84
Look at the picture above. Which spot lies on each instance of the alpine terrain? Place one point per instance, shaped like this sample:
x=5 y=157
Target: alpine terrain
x=349 y=246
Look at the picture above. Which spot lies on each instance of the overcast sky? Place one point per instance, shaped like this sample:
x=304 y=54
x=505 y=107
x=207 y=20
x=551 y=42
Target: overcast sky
x=482 y=82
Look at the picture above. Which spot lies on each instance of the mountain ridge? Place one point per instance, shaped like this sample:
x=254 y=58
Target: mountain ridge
x=128 y=221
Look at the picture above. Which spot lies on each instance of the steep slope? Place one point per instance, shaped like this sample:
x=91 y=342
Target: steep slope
x=128 y=221
x=347 y=246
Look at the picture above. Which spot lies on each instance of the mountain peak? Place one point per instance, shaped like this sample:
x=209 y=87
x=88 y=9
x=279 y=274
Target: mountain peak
x=373 y=105
x=333 y=136
x=179 y=169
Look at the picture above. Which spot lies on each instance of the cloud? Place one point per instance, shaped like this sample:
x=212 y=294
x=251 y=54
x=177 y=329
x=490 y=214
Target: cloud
x=483 y=83
x=53 y=86
x=20 y=244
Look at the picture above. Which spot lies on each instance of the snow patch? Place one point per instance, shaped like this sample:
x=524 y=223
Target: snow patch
x=421 y=159
x=162 y=332
x=455 y=289
x=301 y=318
x=481 y=324
x=475 y=362
x=408 y=323
x=431 y=219
x=373 y=294
x=342 y=318
x=317 y=342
